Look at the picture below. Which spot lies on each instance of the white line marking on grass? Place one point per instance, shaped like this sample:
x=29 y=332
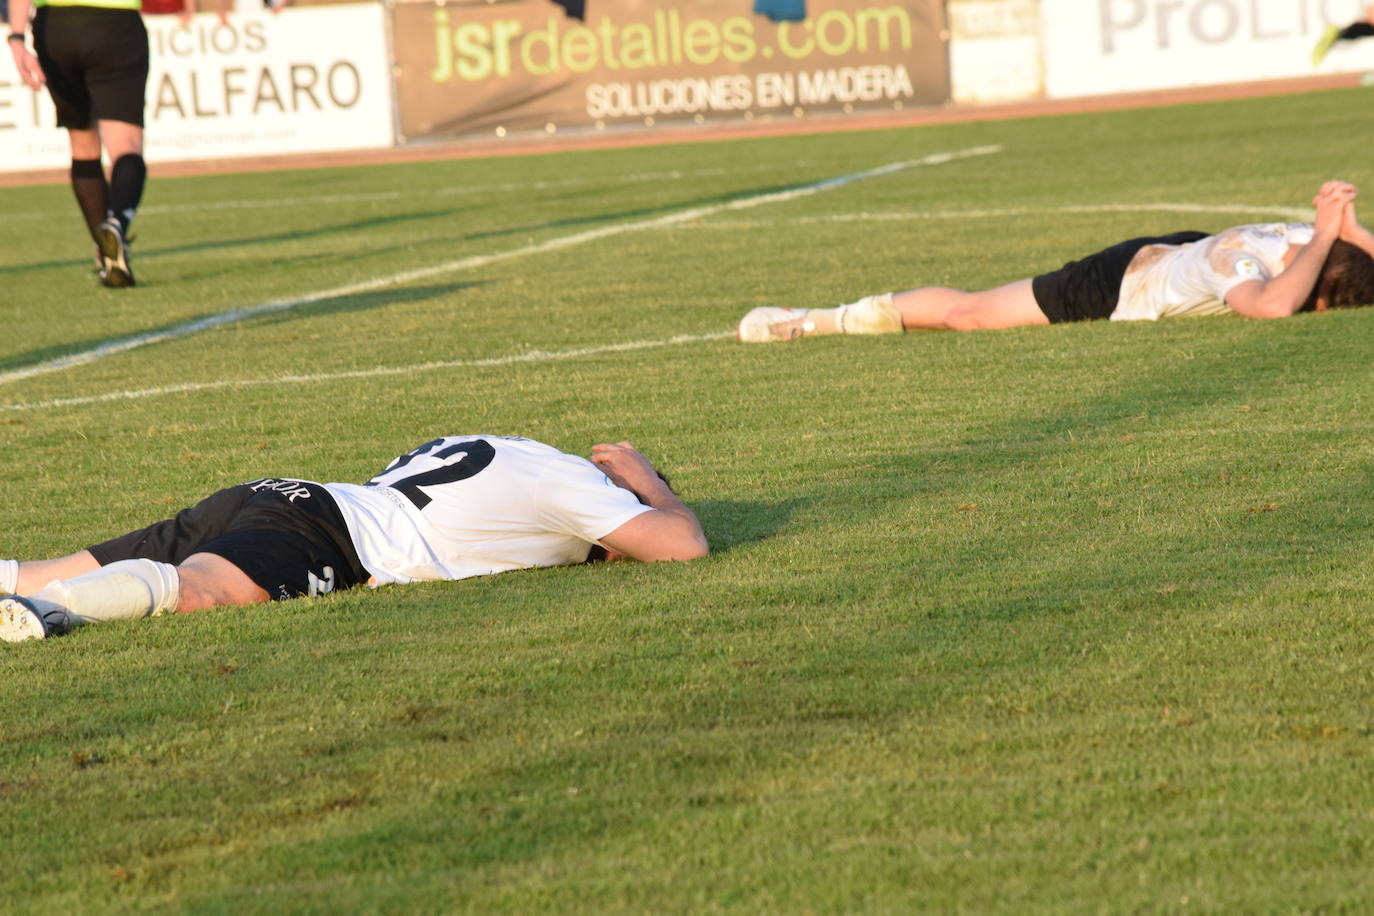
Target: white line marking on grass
x=1296 y=214
x=1287 y=213
x=482 y=260
x=533 y=356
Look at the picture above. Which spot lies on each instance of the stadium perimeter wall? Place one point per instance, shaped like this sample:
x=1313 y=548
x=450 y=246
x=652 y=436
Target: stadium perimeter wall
x=258 y=84
x=423 y=78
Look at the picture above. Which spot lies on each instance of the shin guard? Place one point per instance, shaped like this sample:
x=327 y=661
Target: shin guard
x=125 y=590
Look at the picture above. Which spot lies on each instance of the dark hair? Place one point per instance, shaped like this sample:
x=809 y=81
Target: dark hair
x=1346 y=279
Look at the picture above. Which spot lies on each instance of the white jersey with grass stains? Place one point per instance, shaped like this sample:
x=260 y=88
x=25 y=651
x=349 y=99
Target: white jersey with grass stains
x=465 y=506
x=1193 y=279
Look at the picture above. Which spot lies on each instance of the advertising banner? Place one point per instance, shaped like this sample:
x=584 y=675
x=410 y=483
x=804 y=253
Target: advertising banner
x=467 y=67
x=304 y=80
x=1102 y=46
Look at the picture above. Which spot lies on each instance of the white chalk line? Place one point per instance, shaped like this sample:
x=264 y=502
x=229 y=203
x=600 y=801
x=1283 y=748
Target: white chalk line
x=475 y=261
x=1285 y=213
x=532 y=356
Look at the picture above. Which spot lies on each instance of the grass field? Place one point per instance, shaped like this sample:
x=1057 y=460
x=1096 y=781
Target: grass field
x=1067 y=619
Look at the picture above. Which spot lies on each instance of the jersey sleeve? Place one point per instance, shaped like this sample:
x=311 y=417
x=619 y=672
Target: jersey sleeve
x=581 y=501
x=1240 y=269
x=1300 y=233
x=1231 y=263
x=1252 y=253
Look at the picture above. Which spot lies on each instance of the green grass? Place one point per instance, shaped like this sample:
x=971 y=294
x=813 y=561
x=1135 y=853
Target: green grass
x=1069 y=619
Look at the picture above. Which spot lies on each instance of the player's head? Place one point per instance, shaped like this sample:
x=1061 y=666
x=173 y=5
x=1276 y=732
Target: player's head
x=1346 y=279
x=599 y=554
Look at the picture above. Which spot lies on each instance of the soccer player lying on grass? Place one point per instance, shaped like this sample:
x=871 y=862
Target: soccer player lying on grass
x=1269 y=270
x=455 y=507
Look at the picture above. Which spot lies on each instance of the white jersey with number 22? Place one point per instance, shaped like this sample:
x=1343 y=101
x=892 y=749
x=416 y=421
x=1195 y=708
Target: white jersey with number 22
x=465 y=506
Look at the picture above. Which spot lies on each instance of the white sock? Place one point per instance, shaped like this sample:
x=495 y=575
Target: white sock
x=9 y=576
x=869 y=315
x=125 y=590
x=841 y=312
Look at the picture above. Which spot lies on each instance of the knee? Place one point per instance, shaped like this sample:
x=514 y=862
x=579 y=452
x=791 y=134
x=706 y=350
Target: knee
x=194 y=594
x=198 y=594
x=962 y=318
x=210 y=581
x=121 y=139
x=85 y=144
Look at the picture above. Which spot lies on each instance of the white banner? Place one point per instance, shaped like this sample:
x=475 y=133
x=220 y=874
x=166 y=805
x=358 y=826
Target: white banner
x=307 y=79
x=1094 y=47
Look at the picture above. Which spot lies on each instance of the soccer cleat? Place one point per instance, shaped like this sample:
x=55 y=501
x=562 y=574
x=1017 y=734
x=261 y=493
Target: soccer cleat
x=115 y=271
x=20 y=619
x=871 y=315
x=769 y=323
x=1323 y=45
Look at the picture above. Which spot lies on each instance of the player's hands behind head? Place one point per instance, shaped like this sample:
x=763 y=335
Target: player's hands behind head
x=1332 y=202
x=670 y=533
x=626 y=467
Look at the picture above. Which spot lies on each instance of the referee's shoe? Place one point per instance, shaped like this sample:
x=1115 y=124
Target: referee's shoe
x=114 y=254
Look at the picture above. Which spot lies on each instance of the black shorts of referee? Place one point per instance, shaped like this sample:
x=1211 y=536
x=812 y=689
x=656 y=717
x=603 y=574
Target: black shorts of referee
x=1089 y=288
x=95 y=60
x=286 y=535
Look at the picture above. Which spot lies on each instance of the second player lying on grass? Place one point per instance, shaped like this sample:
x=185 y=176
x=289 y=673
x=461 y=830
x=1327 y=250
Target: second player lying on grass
x=453 y=508
x=1268 y=270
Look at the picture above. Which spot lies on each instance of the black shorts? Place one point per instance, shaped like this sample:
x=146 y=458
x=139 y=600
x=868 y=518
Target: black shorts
x=95 y=61
x=286 y=535
x=1089 y=287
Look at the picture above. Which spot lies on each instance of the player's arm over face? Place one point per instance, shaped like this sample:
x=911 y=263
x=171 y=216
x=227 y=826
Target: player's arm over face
x=1285 y=294
x=668 y=531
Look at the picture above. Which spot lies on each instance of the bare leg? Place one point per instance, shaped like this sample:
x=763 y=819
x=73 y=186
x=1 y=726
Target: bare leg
x=121 y=138
x=938 y=307
x=208 y=580
x=930 y=307
x=85 y=143
x=35 y=574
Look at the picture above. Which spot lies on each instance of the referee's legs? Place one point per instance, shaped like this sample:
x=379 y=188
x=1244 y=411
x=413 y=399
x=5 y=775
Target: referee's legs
x=124 y=144
x=88 y=178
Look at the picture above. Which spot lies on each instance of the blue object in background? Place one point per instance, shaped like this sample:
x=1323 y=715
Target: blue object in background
x=781 y=10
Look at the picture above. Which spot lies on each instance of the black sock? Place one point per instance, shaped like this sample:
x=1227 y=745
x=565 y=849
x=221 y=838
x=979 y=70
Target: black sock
x=88 y=183
x=126 y=187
